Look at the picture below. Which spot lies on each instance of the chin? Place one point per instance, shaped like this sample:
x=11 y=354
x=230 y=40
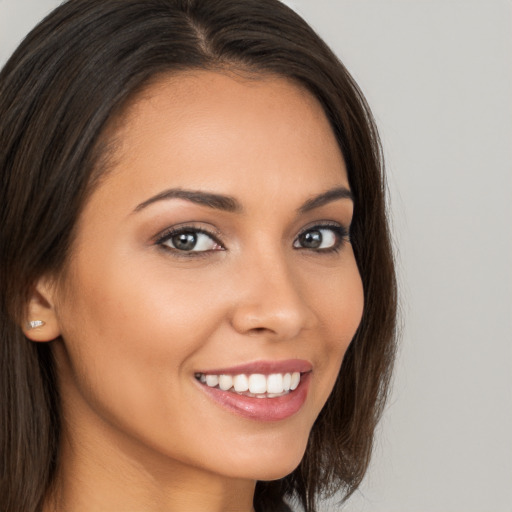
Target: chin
x=272 y=463
x=276 y=473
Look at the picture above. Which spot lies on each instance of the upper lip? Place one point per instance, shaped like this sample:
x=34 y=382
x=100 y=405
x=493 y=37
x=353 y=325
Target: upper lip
x=263 y=367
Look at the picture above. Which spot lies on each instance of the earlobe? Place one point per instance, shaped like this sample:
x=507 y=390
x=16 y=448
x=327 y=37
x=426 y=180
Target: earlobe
x=41 y=323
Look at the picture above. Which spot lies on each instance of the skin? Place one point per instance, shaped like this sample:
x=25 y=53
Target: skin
x=132 y=321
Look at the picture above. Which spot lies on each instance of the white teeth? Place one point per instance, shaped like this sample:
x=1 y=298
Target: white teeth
x=225 y=382
x=212 y=380
x=275 y=383
x=287 y=380
x=241 y=383
x=256 y=384
x=295 y=380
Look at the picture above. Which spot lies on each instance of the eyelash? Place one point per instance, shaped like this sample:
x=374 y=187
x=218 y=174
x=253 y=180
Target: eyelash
x=341 y=233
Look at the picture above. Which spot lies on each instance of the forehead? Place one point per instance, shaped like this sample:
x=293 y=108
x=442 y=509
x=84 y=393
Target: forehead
x=214 y=130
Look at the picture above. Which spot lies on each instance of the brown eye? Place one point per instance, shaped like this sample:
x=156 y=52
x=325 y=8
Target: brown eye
x=321 y=238
x=184 y=241
x=311 y=239
x=190 y=240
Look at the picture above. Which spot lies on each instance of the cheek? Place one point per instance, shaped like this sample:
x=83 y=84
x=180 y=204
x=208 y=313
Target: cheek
x=142 y=303
x=129 y=334
x=340 y=308
x=339 y=303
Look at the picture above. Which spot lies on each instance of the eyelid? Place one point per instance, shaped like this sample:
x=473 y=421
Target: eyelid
x=325 y=224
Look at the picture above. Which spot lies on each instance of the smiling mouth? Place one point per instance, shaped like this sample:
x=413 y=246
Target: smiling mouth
x=254 y=385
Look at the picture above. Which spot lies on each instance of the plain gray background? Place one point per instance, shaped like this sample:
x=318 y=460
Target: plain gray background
x=438 y=75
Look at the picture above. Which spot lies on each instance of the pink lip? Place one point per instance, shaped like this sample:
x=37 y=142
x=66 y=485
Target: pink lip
x=264 y=367
x=263 y=409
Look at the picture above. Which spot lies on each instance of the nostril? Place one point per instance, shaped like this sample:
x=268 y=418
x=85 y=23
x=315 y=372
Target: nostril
x=258 y=330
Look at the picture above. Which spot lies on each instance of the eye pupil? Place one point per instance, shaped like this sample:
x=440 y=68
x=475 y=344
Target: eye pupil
x=311 y=239
x=184 y=241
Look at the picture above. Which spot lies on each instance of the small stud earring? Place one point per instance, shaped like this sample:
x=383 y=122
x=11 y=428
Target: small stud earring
x=35 y=323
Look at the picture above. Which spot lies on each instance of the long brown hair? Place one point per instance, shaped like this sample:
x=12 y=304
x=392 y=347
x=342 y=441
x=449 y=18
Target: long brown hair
x=75 y=71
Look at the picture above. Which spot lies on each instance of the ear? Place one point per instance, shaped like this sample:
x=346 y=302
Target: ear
x=41 y=322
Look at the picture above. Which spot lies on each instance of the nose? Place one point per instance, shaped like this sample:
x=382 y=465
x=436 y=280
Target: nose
x=271 y=301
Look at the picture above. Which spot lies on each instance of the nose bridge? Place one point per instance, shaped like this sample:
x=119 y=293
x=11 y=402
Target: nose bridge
x=270 y=299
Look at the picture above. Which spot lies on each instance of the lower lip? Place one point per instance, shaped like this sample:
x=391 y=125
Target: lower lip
x=262 y=409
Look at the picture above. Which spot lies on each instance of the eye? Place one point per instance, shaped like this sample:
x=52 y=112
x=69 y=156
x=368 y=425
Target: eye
x=188 y=239
x=321 y=238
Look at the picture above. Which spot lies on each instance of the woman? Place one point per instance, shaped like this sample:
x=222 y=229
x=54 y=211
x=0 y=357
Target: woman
x=194 y=242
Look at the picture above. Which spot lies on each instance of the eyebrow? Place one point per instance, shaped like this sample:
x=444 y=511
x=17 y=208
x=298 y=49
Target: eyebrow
x=230 y=204
x=334 y=194
x=215 y=201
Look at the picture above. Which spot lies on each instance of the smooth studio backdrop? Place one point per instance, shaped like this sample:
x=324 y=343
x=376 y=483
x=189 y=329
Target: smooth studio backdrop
x=438 y=75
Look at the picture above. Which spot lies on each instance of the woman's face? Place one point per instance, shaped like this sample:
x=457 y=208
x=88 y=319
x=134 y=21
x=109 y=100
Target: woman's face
x=216 y=245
